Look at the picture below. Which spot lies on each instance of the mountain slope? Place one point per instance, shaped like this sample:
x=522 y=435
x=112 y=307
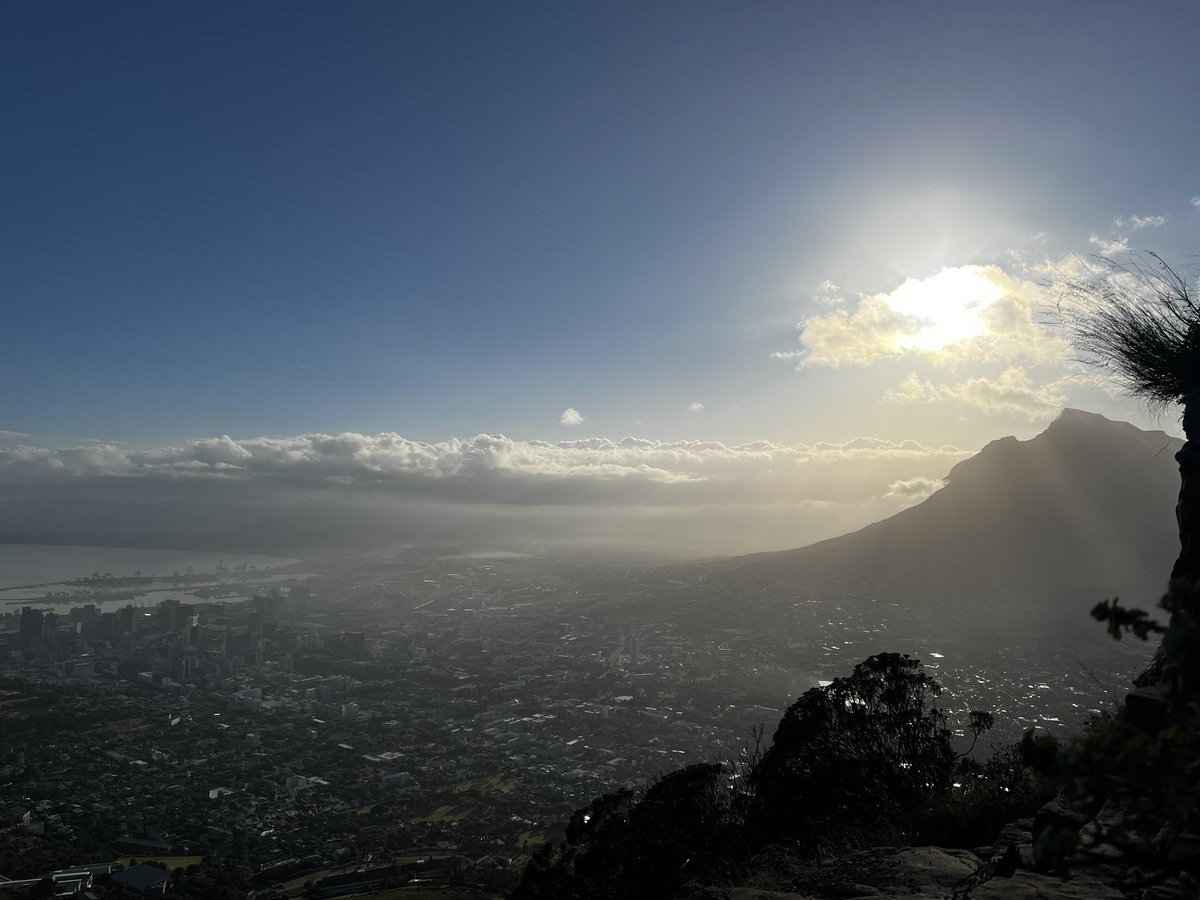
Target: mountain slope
x=1081 y=512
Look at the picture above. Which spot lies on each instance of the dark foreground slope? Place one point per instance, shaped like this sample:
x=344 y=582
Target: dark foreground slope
x=1043 y=527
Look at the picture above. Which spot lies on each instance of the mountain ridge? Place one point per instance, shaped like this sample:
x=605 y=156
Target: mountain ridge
x=1084 y=510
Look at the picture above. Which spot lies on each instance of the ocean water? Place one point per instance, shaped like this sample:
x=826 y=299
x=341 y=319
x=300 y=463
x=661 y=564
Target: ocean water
x=22 y=564
x=52 y=568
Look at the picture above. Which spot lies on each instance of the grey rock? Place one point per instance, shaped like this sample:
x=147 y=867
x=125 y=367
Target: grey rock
x=1056 y=834
x=1173 y=890
x=1031 y=886
x=1057 y=812
x=1012 y=833
x=742 y=893
x=911 y=872
x=1186 y=848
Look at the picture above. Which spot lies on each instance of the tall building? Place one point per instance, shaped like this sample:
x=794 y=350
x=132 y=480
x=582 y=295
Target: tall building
x=299 y=599
x=168 y=616
x=268 y=605
x=33 y=626
x=125 y=619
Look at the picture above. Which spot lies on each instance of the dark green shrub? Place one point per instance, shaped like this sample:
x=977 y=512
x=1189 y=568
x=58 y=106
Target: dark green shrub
x=681 y=831
x=868 y=758
x=856 y=760
x=985 y=797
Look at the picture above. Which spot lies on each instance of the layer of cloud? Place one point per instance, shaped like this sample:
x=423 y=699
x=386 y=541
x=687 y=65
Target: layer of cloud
x=287 y=495
x=696 y=407
x=570 y=416
x=12 y=435
x=497 y=469
x=1012 y=394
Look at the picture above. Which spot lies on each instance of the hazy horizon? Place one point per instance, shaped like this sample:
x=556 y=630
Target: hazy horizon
x=679 y=222
x=321 y=495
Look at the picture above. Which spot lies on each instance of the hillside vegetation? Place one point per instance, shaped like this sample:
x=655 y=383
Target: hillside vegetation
x=870 y=761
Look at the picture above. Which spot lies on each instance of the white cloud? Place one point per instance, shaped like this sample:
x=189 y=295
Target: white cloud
x=828 y=293
x=696 y=407
x=1137 y=223
x=12 y=435
x=1196 y=201
x=1013 y=394
x=1122 y=228
x=1107 y=246
x=913 y=389
x=841 y=338
x=968 y=313
x=570 y=416
x=912 y=490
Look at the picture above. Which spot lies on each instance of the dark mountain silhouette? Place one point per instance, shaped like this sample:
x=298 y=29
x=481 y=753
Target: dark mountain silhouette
x=1048 y=526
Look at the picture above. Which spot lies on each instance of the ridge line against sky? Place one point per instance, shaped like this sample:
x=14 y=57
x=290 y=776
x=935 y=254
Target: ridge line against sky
x=544 y=222
x=351 y=490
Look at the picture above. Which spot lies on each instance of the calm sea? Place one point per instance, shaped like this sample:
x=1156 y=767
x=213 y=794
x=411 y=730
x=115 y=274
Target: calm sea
x=22 y=564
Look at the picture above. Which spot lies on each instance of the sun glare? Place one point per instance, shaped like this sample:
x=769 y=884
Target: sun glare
x=944 y=308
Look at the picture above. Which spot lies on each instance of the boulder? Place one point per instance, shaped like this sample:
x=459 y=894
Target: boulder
x=913 y=872
x=1056 y=835
x=1031 y=886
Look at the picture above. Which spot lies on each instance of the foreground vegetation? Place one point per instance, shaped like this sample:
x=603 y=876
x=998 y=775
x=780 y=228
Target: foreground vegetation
x=870 y=760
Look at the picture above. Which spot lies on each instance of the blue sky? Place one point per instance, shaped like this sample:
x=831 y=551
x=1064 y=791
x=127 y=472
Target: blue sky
x=445 y=219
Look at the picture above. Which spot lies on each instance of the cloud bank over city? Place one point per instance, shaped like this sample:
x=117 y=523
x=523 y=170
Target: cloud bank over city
x=675 y=496
x=489 y=468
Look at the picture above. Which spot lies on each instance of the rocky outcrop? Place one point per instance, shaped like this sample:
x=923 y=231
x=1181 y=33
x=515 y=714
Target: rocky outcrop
x=915 y=872
x=1002 y=871
x=1031 y=886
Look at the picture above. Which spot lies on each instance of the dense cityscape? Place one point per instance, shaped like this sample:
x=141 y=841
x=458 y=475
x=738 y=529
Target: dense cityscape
x=424 y=719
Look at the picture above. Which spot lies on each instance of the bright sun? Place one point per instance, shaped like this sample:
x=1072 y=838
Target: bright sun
x=945 y=308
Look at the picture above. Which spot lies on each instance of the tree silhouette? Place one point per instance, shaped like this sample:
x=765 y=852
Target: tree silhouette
x=1141 y=323
x=866 y=749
